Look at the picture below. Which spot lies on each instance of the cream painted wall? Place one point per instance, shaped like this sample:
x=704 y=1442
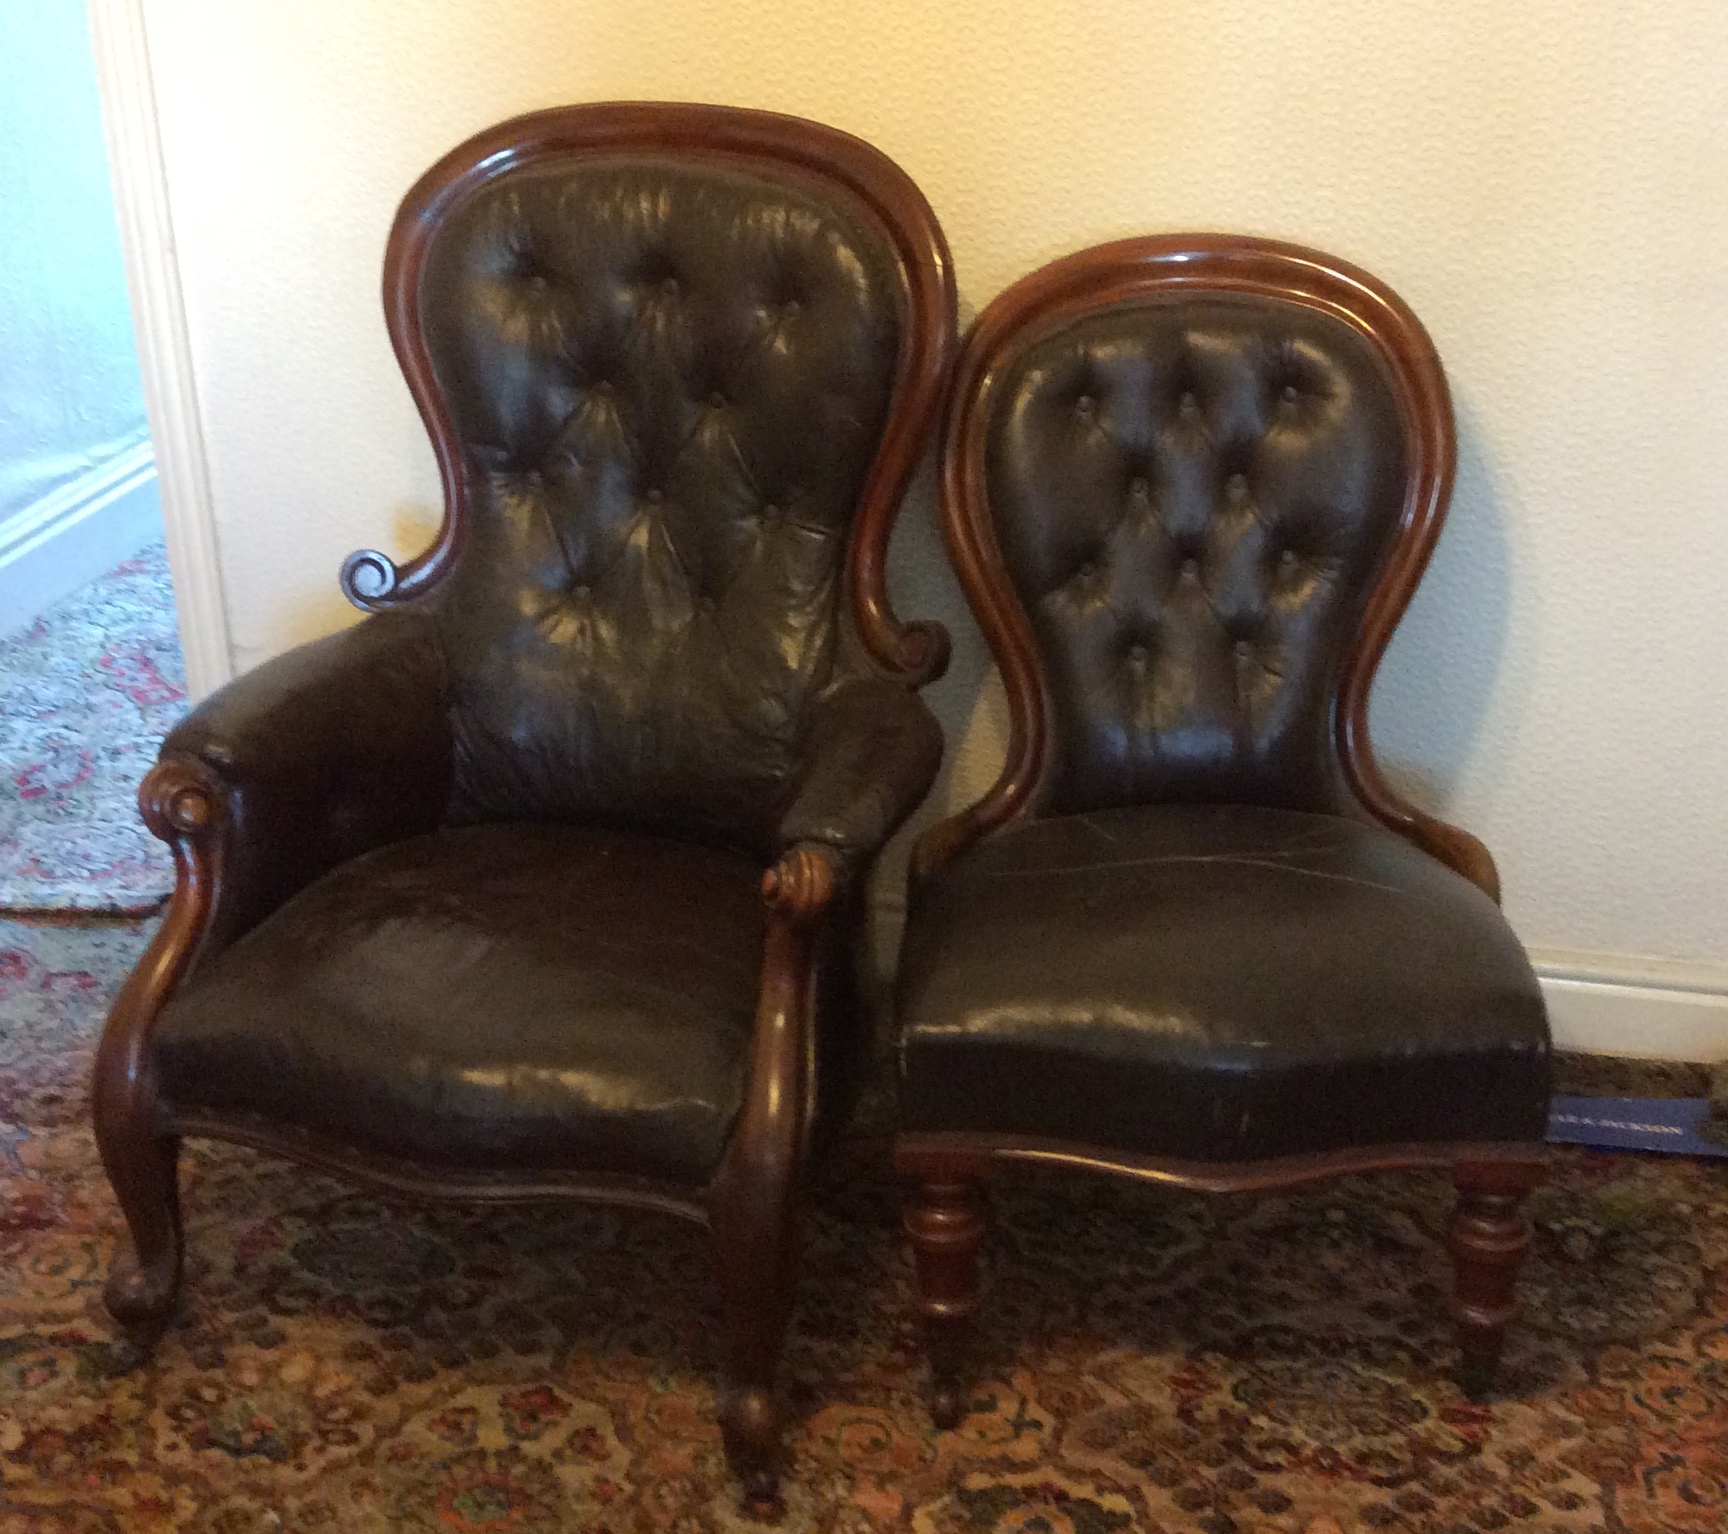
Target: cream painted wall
x=1543 y=181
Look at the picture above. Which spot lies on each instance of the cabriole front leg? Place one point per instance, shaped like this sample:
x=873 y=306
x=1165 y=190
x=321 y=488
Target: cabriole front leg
x=182 y=804
x=754 y=1202
x=143 y=1169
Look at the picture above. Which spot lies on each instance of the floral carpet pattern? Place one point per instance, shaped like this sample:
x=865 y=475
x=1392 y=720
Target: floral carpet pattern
x=1146 y=1361
x=86 y=694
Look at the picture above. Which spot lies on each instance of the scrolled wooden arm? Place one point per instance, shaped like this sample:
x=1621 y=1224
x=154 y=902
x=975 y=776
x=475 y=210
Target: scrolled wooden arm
x=753 y=1202
x=185 y=804
x=181 y=797
x=800 y=886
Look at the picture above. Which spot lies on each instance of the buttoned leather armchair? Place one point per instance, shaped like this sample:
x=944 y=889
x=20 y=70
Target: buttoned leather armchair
x=1191 y=935
x=541 y=881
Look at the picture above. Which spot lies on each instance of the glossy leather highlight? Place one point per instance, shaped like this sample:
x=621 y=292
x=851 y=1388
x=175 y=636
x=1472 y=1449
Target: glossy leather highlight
x=326 y=752
x=668 y=384
x=1191 y=934
x=545 y=881
x=1190 y=500
x=1216 y=983
x=870 y=755
x=516 y=997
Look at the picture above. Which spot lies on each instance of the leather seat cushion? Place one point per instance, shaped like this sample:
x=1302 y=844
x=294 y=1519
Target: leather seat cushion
x=510 y=996
x=1216 y=982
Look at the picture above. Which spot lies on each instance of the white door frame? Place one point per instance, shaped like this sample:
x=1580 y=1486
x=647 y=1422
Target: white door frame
x=128 y=93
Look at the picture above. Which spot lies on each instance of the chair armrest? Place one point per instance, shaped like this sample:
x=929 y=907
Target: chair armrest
x=321 y=754
x=870 y=757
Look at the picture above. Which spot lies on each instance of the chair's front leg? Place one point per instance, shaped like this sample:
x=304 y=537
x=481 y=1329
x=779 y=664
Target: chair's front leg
x=1490 y=1234
x=754 y=1200
x=183 y=804
x=945 y=1225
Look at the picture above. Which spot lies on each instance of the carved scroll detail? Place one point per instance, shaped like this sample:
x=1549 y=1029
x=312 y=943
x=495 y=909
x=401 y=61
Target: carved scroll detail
x=180 y=797
x=369 y=579
x=800 y=884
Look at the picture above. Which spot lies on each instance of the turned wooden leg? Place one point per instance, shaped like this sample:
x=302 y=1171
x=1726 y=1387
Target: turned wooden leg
x=1489 y=1237
x=945 y=1224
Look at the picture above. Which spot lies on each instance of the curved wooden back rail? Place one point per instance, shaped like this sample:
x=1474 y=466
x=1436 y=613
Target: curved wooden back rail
x=764 y=141
x=1191 y=266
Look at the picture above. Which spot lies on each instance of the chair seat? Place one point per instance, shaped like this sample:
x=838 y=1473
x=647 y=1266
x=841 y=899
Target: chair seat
x=1218 y=983
x=495 y=997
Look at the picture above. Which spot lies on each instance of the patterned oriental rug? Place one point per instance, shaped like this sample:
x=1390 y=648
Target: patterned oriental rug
x=1148 y=1362
x=86 y=694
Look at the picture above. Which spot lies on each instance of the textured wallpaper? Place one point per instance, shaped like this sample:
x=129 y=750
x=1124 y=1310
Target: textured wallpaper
x=1542 y=181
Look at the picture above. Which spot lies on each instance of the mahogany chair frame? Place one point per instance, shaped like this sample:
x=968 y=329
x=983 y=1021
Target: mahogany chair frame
x=751 y=1205
x=1490 y=1231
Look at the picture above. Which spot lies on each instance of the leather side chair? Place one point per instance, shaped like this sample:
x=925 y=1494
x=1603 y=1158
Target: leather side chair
x=1191 y=936
x=542 y=881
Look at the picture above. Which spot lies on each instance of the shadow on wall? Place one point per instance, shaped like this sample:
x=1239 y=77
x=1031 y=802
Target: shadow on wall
x=1429 y=715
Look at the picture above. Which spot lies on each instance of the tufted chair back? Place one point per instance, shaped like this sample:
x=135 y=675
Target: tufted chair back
x=663 y=352
x=1180 y=473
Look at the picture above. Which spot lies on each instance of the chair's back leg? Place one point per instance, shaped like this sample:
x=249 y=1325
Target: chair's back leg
x=1490 y=1234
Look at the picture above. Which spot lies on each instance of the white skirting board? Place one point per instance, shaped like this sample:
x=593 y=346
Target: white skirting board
x=1643 y=1009
x=77 y=533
